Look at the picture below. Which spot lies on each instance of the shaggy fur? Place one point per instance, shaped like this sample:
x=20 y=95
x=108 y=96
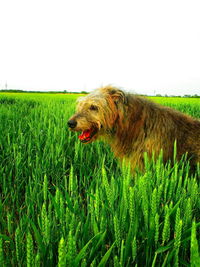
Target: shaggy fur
x=133 y=125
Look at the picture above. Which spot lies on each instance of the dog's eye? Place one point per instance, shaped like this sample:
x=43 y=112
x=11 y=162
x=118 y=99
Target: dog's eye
x=93 y=107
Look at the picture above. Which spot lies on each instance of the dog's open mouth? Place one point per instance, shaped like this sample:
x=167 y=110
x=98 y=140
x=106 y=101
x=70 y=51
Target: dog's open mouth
x=87 y=135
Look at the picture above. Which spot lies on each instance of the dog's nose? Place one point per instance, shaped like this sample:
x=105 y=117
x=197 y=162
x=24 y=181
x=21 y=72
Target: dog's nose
x=72 y=123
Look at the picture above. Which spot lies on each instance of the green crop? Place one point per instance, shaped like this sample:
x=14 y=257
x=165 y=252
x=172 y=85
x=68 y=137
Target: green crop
x=67 y=204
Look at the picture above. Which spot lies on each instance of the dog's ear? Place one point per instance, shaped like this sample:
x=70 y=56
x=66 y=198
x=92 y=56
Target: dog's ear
x=117 y=95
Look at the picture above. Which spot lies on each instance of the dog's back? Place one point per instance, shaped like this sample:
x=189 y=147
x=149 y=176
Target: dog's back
x=150 y=127
x=176 y=126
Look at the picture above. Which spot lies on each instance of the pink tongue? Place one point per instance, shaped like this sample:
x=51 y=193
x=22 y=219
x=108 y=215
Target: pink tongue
x=85 y=135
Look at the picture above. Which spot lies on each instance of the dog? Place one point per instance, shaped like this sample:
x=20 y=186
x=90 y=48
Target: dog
x=133 y=125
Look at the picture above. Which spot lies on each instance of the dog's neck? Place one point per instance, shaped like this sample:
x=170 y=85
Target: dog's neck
x=126 y=130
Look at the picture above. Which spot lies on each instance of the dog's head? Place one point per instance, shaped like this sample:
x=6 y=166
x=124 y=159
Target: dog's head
x=97 y=113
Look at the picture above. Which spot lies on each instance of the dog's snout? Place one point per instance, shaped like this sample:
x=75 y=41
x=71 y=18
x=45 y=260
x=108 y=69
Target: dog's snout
x=72 y=123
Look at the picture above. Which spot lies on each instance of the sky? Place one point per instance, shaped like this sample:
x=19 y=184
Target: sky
x=145 y=46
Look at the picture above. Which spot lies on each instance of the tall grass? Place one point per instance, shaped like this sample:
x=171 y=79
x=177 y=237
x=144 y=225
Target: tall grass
x=67 y=204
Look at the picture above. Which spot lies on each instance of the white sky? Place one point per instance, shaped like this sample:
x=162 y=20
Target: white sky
x=148 y=46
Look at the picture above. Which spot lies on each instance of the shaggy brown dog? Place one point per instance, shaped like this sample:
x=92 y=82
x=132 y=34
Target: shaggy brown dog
x=133 y=125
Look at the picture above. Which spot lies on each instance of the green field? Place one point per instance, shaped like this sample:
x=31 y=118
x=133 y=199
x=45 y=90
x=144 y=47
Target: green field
x=67 y=204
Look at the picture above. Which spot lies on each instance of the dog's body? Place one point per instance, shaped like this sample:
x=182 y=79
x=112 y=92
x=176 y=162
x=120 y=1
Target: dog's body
x=133 y=125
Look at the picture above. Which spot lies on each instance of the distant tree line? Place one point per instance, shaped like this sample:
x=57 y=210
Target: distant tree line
x=188 y=96
x=42 y=92
x=83 y=92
